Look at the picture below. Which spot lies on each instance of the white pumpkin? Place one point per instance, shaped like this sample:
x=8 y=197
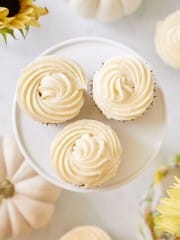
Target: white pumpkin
x=27 y=201
x=105 y=10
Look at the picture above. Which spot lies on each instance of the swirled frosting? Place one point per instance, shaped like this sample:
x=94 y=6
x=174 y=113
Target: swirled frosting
x=86 y=233
x=50 y=89
x=123 y=88
x=86 y=153
x=167 y=40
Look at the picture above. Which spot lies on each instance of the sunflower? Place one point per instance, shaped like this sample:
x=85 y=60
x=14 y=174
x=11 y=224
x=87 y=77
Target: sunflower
x=169 y=212
x=20 y=15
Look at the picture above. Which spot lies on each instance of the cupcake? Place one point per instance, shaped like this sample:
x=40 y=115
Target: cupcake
x=123 y=88
x=50 y=90
x=86 y=153
x=167 y=40
x=86 y=233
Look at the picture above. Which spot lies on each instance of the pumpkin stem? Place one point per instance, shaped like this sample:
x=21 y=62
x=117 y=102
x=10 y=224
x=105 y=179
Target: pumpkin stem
x=6 y=189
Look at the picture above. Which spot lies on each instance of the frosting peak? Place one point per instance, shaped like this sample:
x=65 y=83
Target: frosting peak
x=86 y=153
x=56 y=87
x=51 y=89
x=123 y=88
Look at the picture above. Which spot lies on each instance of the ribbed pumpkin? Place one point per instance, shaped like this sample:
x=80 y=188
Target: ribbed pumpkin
x=27 y=201
x=105 y=10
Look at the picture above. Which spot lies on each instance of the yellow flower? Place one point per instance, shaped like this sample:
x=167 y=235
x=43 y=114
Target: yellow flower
x=169 y=219
x=19 y=14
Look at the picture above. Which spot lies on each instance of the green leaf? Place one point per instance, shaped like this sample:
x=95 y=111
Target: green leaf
x=4 y=32
x=22 y=33
x=27 y=27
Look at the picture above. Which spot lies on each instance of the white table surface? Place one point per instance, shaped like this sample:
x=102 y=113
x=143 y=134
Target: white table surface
x=115 y=211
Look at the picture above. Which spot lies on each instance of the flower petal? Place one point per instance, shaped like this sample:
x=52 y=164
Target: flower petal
x=3 y=12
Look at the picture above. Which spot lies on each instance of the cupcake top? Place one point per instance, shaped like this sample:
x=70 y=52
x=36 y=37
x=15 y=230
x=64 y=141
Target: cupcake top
x=86 y=233
x=167 y=40
x=123 y=88
x=50 y=89
x=86 y=153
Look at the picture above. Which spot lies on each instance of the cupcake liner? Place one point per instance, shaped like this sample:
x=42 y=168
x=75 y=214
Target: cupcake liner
x=90 y=88
x=163 y=178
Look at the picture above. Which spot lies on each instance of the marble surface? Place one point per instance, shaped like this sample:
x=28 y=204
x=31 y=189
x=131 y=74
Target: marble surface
x=115 y=211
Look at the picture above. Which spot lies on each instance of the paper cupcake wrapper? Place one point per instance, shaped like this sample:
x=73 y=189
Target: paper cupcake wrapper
x=163 y=178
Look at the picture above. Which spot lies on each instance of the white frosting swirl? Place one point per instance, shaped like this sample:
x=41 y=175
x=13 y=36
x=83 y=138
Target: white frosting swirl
x=168 y=40
x=123 y=88
x=86 y=233
x=86 y=153
x=50 y=89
